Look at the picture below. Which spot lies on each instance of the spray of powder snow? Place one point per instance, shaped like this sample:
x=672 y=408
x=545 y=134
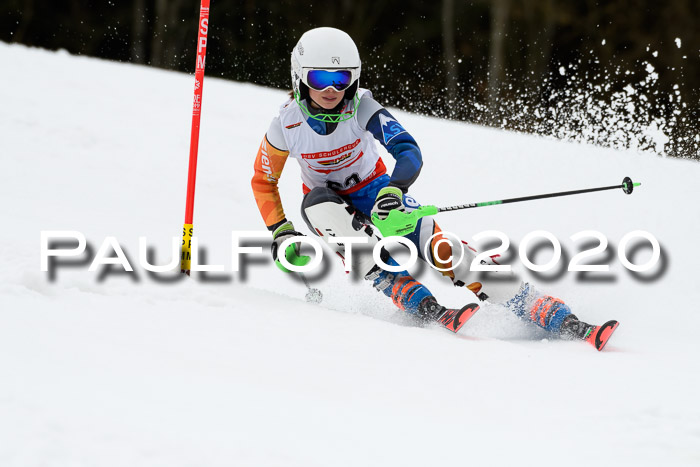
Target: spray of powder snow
x=589 y=101
x=627 y=119
x=621 y=110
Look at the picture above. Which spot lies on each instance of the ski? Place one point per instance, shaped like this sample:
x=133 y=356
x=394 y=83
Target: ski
x=454 y=319
x=598 y=336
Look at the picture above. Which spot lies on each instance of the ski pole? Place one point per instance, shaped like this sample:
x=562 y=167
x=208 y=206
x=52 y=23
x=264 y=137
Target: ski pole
x=401 y=223
x=293 y=257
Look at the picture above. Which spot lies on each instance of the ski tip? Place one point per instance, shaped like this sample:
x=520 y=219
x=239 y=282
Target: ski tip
x=601 y=334
x=459 y=317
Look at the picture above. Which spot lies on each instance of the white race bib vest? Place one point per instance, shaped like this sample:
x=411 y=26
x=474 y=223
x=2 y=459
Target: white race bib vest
x=345 y=158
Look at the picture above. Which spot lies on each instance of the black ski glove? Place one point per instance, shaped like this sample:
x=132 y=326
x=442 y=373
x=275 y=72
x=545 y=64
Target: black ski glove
x=388 y=199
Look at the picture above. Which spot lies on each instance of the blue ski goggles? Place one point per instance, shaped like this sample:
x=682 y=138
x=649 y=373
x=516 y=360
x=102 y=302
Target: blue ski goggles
x=320 y=80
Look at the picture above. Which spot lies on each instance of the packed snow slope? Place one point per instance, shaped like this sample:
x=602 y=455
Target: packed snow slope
x=144 y=370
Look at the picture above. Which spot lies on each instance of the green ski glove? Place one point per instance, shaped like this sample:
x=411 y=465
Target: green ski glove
x=291 y=253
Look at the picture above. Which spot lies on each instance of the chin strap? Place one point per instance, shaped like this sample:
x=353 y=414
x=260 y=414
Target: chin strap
x=325 y=116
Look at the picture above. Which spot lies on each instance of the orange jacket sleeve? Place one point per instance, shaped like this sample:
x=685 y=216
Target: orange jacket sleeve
x=268 y=167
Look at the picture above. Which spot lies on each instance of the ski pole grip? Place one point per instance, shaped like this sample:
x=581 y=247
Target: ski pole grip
x=399 y=223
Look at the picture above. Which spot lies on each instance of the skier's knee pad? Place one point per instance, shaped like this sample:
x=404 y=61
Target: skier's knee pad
x=318 y=195
x=328 y=215
x=323 y=208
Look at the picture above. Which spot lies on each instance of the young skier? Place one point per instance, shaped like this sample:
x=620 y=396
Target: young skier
x=329 y=125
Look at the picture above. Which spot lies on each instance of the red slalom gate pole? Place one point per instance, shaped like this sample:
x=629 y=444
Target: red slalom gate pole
x=185 y=258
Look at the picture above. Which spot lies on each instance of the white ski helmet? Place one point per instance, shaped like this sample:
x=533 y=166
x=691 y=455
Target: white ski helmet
x=325 y=49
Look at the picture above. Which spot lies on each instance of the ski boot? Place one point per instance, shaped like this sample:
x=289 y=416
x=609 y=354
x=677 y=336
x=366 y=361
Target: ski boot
x=413 y=297
x=453 y=319
x=597 y=336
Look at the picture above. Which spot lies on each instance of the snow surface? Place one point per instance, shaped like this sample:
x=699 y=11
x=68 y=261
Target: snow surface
x=126 y=369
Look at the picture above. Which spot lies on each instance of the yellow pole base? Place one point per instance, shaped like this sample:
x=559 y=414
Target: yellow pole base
x=186 y=257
